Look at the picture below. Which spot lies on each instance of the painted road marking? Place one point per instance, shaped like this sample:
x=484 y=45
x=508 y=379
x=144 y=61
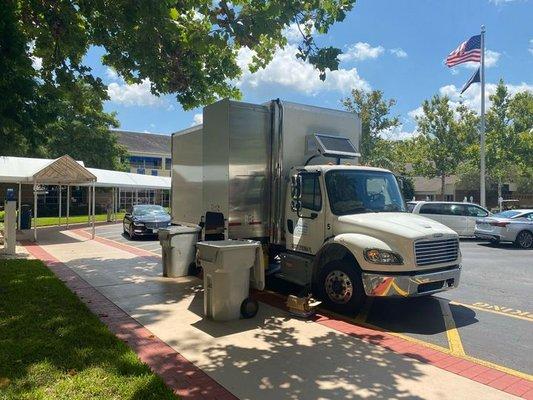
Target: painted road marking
x=430 y=345
x=493 y=308
x=454 y=340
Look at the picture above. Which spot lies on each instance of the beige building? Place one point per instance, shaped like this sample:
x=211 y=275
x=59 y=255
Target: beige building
x=148 y=153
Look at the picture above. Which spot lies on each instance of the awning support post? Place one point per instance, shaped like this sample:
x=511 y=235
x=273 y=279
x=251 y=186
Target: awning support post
x=89 y=204
x=59 y=194
x=68 y=203
x=34 y=212
x=20 y=206
x=93 y=207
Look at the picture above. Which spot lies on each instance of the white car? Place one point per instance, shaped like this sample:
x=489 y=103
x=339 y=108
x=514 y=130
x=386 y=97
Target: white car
x=508 y=226
x=459 y=216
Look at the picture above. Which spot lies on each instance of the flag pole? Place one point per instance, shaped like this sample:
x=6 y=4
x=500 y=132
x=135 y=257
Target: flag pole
x=482 y=133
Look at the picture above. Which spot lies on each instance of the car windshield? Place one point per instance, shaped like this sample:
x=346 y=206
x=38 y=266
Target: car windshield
x=507 y=214
x=359 y=191
x=139 y=211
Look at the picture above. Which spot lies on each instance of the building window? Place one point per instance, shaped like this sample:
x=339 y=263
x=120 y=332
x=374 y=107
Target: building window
x=145 y=162
x=168 y=164
x=140 y=171
x=448 y=197
x=154 y=172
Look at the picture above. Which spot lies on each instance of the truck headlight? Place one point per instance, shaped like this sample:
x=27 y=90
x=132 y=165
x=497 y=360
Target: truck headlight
x=378 y=256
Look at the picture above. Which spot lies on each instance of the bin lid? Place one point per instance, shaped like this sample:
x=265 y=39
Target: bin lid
x=180 y=229
x=228 y=244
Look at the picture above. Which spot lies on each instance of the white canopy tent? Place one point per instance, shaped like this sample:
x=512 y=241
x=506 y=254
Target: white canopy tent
x=65 y=171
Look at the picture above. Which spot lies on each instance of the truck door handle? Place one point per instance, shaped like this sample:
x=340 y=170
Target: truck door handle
x=314 y=215
x=290 y=226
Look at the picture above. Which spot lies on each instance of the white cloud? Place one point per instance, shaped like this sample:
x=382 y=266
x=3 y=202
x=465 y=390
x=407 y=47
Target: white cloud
x=530 y=46
x=400 y=53
x=137 y=94
x=361 y=51
x=112 y=74
x=472 y=97
x=417 y=112
x=288 y=71
x=36 y=62
x=197 y=119
x=398 y=133
x=293 y=34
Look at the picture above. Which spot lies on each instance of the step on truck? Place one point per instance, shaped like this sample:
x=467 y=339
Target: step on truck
x=286 y=174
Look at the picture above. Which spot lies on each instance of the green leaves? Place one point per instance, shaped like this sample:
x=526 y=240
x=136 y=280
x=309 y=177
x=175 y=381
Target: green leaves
x=374 y=112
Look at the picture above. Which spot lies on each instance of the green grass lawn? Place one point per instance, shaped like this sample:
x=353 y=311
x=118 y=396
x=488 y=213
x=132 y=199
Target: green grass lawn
x=47 y=221
x=53 y=347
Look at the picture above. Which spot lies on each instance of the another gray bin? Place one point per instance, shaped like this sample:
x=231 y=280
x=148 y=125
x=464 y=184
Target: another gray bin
x=178 y=248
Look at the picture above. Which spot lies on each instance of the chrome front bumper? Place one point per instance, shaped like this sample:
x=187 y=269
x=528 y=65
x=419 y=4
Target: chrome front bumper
x=418 y=284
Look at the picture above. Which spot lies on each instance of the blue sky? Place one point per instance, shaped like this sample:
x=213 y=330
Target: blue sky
x=394 y=46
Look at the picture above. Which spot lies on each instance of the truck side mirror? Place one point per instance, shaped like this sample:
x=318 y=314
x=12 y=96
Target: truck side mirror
x=296 y=205
x=296 y=187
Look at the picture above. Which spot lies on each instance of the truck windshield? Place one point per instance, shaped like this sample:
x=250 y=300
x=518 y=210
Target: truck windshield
x=355 y=192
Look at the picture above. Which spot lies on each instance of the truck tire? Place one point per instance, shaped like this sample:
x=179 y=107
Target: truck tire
x=524 y=240
x=340 y=287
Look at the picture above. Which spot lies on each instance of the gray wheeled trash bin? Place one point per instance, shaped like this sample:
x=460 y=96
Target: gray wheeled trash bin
x=178 y=248
x=226 y=265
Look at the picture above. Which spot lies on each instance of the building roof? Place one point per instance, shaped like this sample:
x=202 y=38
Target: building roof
x=139 y=142
x=65 y=170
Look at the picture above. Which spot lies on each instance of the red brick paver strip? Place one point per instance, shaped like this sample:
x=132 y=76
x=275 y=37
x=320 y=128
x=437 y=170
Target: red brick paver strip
x=185 y=379
x=468 y=369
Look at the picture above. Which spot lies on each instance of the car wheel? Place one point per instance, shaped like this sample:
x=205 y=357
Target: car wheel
x=340 y=287
x=524 y=240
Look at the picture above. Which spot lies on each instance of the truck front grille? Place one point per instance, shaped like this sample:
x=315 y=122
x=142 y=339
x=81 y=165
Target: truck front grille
x=429 y=252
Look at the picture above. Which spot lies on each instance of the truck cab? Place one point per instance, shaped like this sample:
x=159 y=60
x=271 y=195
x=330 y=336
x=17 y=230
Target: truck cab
x=348 y=236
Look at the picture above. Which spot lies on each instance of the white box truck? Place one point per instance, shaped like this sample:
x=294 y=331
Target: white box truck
x=286 y=174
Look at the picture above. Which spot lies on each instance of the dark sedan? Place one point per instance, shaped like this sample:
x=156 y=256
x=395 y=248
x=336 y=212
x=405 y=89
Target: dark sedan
x=145 y=220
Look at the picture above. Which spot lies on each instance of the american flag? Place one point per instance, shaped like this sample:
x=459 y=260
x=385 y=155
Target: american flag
x=467 y=51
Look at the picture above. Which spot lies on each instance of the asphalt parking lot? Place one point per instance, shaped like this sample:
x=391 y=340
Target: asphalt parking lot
x=489 y=317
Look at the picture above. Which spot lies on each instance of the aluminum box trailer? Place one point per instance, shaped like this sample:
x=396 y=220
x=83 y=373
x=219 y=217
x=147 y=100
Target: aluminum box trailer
x=238 y=162
x=286 y=174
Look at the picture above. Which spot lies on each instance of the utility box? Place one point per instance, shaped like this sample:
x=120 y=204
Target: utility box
x=227 y=265
x=178 y=248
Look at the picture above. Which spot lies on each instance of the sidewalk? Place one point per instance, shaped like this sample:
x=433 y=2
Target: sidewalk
x=272 y=356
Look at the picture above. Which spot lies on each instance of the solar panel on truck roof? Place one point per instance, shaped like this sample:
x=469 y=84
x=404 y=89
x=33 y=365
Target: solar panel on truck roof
x=336 y=146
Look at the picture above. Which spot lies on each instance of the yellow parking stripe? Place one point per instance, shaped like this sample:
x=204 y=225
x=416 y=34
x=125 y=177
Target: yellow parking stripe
x=429 y=345
x=454 y=340
x=491 y=308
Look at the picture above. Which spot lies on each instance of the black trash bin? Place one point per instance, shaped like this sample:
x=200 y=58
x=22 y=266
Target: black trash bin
x=25 y=217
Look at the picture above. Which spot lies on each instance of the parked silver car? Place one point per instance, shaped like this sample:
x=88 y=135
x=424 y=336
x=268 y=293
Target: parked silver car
x=508 y=226
x=459 y=216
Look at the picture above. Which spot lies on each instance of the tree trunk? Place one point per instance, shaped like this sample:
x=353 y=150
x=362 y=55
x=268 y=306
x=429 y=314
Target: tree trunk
x=442 y=186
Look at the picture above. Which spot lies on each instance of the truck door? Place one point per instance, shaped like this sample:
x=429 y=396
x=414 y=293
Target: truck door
x=305 y=227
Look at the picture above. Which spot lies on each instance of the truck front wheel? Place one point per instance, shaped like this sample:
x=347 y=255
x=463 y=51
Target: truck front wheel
x=340 y=287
